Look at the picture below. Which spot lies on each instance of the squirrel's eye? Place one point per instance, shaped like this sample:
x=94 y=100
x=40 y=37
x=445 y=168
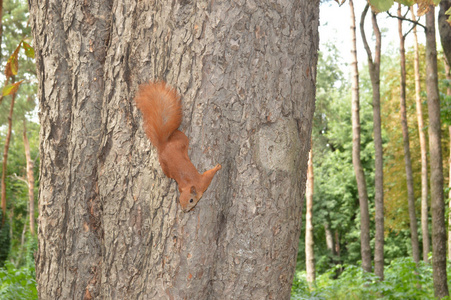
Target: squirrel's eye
x=191 y=200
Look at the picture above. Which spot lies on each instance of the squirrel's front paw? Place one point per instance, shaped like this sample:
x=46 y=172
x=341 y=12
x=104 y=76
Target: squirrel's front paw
x=218 y=166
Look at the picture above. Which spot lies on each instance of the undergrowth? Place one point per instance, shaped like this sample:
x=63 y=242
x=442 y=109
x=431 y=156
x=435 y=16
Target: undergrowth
x=403 y=280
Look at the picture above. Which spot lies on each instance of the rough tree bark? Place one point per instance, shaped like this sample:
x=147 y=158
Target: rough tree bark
x=374 y=70
x=365 y=248
x=423 y=146
x=110 y=225
x=437 y=194
x=309 y=243
x=406 y=143
x=30 y=178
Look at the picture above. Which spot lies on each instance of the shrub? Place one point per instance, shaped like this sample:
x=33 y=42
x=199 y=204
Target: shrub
x=17 y=283
x=403 y=280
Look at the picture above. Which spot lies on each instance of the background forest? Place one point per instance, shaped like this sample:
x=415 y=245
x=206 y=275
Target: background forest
x=18 y=130
x=336 y=211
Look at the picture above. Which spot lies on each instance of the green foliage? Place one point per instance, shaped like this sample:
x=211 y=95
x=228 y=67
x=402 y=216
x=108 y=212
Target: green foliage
x=395 y=187
x=17 y=188
x=15 y=24
x=384 y=5
x=403 y=280
x=20 y=283
x=445 y=99
x=17 y=283
x=5 y=241
x=14 y=37
x=335 y=192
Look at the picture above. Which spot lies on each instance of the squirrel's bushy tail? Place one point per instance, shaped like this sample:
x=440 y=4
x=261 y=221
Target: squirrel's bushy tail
x=161 y=109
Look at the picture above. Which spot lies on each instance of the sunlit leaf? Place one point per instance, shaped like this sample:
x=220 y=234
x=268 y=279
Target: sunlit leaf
x=13 y=63
x=29 y=51
x=424 y=5
x=407 y=2
x=381 y=5
x=448 y=13
x=11 y=88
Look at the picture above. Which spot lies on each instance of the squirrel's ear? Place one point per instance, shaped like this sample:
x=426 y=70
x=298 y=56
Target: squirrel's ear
x=193 y=190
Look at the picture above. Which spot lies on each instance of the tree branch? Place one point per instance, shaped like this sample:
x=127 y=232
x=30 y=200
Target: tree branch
x=377 y=33
x=406 y=19
x=15 y=176
x=362 y=31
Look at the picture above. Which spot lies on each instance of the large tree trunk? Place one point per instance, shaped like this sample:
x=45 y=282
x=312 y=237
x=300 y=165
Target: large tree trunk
x=437 y=196
x=365 y=248
x=110 y=225
x=405 y=137
x=423 y=146
x=309 y=242
x=374 y=70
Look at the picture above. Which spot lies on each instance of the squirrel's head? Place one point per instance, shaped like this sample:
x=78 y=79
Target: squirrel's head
x=189 y=198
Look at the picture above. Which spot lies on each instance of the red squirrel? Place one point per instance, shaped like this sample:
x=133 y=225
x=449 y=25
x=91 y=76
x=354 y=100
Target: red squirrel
x=162 y=114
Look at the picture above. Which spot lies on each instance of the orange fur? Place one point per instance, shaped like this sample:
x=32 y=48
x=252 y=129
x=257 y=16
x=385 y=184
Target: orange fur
x=161 y=109
x=162 y=115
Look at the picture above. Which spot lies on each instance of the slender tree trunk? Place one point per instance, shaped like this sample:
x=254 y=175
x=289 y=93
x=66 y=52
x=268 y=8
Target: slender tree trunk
x=1 y=29
x=5 y=155
x=22 y=243
x=423 y=147
x=449 y=185
x=405 y=137
x=374 y=69
x=110 y=225
x=30 y=177
x=437 y=196
x=365 y=248
x=309 y=243
x=449 y=193
x=445 y=28
x=337 y=243
x=329 y=238
x=448 y=92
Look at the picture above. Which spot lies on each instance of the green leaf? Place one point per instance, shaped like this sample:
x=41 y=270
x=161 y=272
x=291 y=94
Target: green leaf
x=7 y=90
x=407 y=2
x=11 y=88
x=13 y=63
x=29 y=51
x=381 y=5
